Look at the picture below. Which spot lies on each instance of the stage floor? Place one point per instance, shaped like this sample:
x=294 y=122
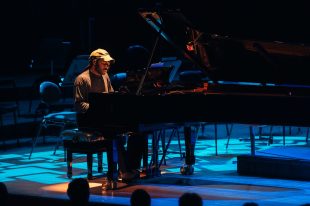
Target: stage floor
x=215 y=178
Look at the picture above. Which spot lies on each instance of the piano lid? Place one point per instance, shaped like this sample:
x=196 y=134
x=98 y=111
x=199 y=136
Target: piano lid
x=231 y=57
x=285 y=21
x=173 y=27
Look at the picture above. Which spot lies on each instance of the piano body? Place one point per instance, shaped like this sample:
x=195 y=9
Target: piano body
x=239 y=81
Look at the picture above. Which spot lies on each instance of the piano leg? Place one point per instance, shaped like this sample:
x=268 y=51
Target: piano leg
x=190 y=141
x=145 y=155
x=153 y=167
x=252 y=137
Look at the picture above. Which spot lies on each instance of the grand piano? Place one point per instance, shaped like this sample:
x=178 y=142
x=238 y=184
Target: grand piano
x=222 y=79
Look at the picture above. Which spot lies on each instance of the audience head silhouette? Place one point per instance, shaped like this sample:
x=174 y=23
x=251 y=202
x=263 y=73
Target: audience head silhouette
x=190 y=199
x=250 y=204
x=3 y=194
x=78 y=192
x=140 y=197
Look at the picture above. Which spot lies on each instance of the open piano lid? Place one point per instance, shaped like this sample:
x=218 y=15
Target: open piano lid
x=172 y=26
x=225 y=58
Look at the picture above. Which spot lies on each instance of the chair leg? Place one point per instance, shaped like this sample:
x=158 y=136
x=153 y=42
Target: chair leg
x=35 y=139
x=56 y=147
x=65 y=154
x=163 y=143
x=145 y=152
x=30 y=104
x=203 y=127
x=215 y=138
x=89 y=166
x=59 y=139
x=15 y=128
x=173 y=133
x=1 y=125
x=283 y=128
x=228 y=133
x=252 y=138
x=99 y=157
x=260 y=132
x=270 y=141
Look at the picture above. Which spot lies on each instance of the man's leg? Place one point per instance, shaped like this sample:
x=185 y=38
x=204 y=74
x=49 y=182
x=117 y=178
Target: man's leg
x=112 y=174
x=135 y=147
x=125 y=173
x=121 y=155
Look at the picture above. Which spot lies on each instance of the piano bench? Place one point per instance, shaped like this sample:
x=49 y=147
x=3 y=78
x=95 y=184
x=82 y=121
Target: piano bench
x=76 y=141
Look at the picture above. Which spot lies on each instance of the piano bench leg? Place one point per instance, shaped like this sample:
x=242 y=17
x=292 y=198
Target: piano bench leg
x=89 y=166
x=69 y=164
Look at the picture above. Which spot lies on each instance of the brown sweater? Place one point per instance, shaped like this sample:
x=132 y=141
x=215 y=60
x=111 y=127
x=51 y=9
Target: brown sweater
x=88 y=82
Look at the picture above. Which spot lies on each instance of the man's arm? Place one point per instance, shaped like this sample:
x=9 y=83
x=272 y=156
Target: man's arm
x=80 y=96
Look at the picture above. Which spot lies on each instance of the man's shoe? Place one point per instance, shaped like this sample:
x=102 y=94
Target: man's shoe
x=136 y=173
x=128 y=176
x=109 y=185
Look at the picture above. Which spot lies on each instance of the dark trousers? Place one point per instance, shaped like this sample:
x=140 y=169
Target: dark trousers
x=113 y=158
x=130 y=158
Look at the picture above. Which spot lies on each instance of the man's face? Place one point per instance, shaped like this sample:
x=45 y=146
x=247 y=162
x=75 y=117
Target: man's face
x=102 y=66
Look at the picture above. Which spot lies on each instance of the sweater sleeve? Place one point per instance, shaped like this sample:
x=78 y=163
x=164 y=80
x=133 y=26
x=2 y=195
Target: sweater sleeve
x=81 y=95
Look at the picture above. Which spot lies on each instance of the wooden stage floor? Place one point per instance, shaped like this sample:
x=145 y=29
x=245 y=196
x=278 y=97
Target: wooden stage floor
x=215 y=178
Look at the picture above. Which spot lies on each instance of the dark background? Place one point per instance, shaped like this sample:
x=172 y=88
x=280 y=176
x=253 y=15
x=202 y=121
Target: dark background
x=40 y=30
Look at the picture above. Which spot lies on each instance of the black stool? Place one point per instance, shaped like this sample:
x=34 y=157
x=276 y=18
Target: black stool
x=89 y=143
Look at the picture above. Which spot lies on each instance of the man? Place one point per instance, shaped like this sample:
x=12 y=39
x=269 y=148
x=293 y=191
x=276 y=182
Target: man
x=95 y=79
